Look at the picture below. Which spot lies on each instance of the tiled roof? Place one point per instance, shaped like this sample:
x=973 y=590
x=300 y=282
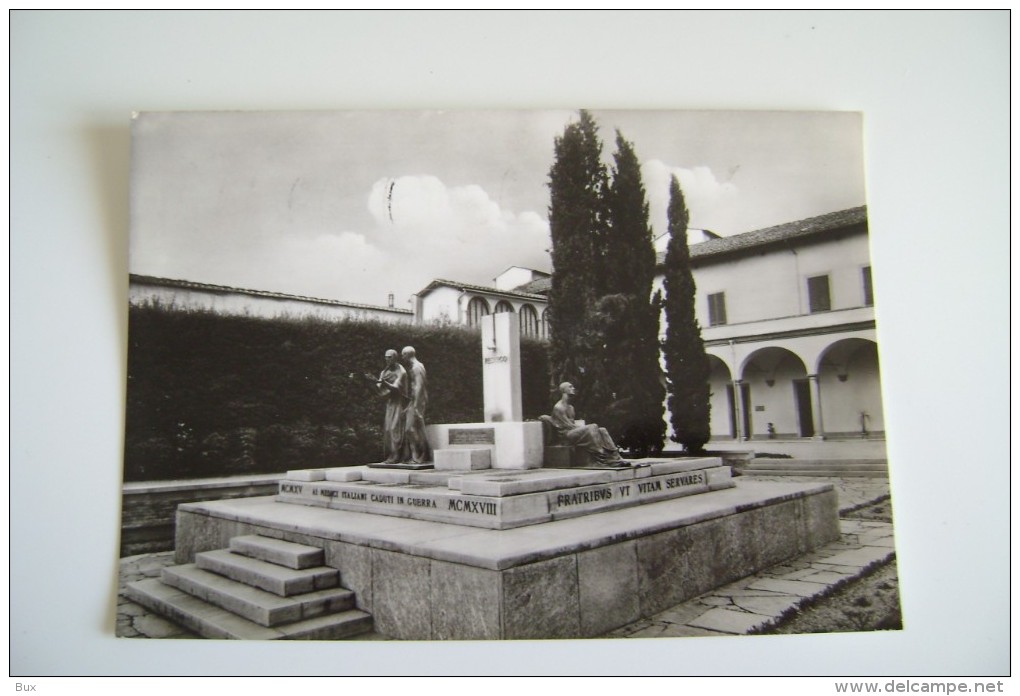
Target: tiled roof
x=539 y=286
x=191 y=285
x=439 y=282
x=780 y=233
x=534 y=271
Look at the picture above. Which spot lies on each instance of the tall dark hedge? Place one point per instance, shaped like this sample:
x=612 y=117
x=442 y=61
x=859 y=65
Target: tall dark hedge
x=687 y=364
x=214 y=395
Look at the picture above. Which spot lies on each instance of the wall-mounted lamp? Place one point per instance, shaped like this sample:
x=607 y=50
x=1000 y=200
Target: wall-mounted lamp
x=770 y=382
x=842 y=377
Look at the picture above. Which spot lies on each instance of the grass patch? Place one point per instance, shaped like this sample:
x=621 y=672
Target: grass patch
x=877 y=510
x=868 y=602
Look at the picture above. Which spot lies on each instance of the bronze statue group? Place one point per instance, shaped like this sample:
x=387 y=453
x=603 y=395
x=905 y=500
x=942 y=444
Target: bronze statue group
x=404 y=384
x=405 y=387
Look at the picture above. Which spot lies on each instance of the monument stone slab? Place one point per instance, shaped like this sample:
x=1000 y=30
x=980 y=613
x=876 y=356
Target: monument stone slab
x=501 y=368
x=515 y=445
x=466 y=459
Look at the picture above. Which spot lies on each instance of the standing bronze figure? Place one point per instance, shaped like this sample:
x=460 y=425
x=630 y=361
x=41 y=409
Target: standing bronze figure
x=393 y=384
x=418 y=451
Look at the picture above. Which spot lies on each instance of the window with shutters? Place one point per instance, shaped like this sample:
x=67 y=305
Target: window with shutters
x=717 y=309
x=818 y=294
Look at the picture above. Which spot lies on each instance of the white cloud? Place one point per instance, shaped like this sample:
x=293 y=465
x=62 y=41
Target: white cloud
x=703 y=192
x=343 y=266
x=422 y=230
x=432 y=230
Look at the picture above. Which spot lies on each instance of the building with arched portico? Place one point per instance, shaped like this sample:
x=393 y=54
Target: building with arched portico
x=463 y=303
x=788 y=322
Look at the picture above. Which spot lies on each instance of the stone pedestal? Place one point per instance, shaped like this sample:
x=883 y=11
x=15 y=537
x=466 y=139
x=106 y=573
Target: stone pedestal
x=513 y=445
x=569 y=578
x=466 y=459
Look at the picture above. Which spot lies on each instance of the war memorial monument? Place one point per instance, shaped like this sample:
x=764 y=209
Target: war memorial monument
x=508 y=533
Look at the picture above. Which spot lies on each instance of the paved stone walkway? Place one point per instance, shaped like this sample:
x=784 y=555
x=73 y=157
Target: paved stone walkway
x=134 y=620
x=732 y=609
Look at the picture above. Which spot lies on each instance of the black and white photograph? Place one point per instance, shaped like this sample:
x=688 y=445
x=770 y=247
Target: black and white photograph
x=463 y=343
x=459 y=375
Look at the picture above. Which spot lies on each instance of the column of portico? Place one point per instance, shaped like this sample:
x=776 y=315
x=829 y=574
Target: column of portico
x=816 y=407
x=738 y=410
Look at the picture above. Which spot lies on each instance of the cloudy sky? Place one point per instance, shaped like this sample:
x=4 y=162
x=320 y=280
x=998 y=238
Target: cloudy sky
x=355 y=205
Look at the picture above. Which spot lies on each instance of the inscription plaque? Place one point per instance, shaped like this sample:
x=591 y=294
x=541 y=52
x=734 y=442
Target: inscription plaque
x=501 y=509
x=473 y=436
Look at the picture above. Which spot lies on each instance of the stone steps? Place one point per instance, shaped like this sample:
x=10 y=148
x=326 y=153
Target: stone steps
x=264 y=608
x=210 y=621
x=277 y=551
x=239 y=593
x=270 y=577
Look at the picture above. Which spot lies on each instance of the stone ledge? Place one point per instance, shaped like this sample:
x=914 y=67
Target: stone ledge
x=472 y=546
x=143 y=487
x=149 y=509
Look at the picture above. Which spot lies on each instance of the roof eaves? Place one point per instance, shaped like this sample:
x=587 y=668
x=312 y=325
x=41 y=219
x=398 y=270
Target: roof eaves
x=758 y=239
x=440 y=282
x=209 y=287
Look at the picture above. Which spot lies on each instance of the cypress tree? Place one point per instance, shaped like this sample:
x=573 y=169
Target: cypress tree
x=627 y=319
x=577 y=184
x=687 y=364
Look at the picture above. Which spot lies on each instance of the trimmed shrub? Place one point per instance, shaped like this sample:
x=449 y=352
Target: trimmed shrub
x=213 y=395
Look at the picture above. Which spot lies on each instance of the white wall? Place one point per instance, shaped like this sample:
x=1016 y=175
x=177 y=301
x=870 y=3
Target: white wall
x=242 y=304
x=441 y=304
x=774 y=284
x=513 y=277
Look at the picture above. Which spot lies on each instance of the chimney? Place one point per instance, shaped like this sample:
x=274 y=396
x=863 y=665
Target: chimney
x=389 y=300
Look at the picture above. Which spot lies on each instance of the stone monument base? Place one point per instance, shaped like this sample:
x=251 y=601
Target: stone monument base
x=565 y=578
x=502 y=498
